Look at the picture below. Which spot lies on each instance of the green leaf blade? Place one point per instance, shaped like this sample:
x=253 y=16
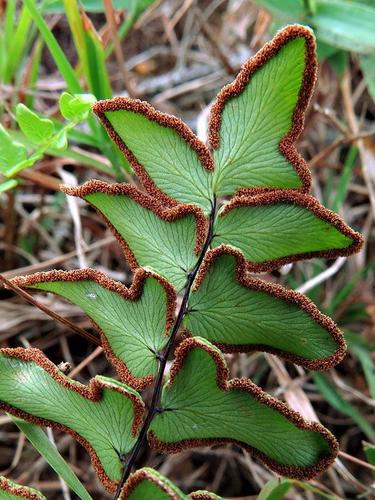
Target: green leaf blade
x=152 y=236
x=7 y=185
x=169 y=159
x=241 y=314
x=11 y=152
x=288 y=11
x=369 y=450
x=257 y=119
x=136 y=7
x=275 y=489
x=347 y=25
x=134 y=322
x=282 y=227
x=33 y=389
x=57 y=53
x=367 y=63
x=201 y=407
x=334 y=398
x=148 y=483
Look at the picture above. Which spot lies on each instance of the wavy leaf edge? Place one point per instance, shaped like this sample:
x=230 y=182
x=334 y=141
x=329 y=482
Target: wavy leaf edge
x=149 y=474
x=304 y=201
x=163 y=119
x=278 y=291
x=287 y=144
x=91 y=392
x=246 y=385
x=132 y=293
x=167 y=213
x=19 y=490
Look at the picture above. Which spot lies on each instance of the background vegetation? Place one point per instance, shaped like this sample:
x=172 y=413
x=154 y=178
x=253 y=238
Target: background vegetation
x=177 y=54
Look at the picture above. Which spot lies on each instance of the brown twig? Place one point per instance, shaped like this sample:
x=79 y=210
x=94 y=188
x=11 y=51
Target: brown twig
x=365 y=155
x=331 y=117
x=356 y=460
x=111 y=20
x=47 y=181
x=338 y=142
x=29 y=298
x=207 y=31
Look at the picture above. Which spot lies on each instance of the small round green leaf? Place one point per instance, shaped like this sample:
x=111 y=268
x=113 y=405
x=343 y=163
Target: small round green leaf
x=11 y=152
x=76 y=107
x=38 y=130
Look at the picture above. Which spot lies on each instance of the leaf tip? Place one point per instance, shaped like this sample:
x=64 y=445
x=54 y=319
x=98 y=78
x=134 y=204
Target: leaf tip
x=250 y=67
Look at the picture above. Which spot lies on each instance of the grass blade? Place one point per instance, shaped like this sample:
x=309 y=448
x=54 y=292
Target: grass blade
x=335 y=399
x=344 y=179
x=18 y=43
x=97 y=75
x=49 y=452
x=58 y=55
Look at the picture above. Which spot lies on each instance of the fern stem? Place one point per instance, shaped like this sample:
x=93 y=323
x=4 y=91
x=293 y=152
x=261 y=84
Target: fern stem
x=153 y=408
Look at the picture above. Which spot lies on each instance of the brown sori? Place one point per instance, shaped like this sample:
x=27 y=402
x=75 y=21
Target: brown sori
x=132 y=293
x=279 y=292
x=169 y=214
x=92 y=392
x=17 y=490
x=301 y=200
x=202 y=495
x=256 y=392
x=287 y=144
x=163 y=119
x=145 y=475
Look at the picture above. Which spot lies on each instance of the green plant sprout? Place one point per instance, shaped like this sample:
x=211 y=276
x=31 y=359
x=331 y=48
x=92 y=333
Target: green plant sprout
x=24 y=33
x=41 y=132
x=207 y=217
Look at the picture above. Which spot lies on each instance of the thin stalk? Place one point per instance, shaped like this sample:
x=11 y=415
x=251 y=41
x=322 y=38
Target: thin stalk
x=29 y=298
x=153 y=408
x=309 y=7
x=111 y=21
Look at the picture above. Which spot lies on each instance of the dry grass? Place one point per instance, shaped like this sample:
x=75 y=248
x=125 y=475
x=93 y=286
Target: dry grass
x=177 y=57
